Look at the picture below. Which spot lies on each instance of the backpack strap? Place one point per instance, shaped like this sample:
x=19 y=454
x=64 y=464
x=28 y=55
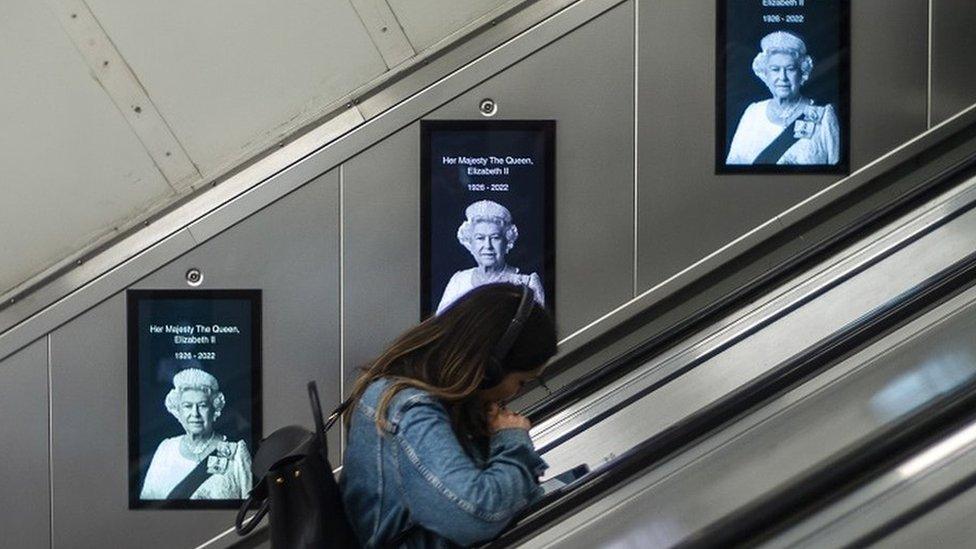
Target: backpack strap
x=321 y=427
x=243 y=528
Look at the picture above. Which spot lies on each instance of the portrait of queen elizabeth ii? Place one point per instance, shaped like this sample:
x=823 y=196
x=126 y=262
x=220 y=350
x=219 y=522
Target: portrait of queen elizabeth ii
x=488 y=234
x=201 y=463
x=786 y=128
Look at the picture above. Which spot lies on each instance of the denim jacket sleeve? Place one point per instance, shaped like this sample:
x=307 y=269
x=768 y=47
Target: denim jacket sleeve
x=445 y=490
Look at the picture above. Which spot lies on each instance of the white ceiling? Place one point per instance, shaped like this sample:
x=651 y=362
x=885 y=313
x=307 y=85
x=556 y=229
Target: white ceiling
x=114 y=108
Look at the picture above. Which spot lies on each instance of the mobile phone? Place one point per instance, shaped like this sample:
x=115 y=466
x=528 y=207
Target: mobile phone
x=565 y=478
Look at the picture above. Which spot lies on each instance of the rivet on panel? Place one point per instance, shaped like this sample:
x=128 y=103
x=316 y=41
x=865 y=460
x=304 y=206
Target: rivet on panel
x=137 y=108
x=74 y=16
x=105 y=63
x=169 y=153
x=280 y=480
x=383 y=29
x=297 y=473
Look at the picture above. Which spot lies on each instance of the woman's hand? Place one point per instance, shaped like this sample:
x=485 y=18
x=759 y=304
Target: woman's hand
x=501 y=418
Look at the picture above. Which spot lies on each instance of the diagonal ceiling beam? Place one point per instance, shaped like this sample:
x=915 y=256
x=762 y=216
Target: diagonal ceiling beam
x=115 y=76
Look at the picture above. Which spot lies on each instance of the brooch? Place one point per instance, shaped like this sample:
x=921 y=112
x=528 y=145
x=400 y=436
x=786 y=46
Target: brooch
x=804 y=129
x=217 y=465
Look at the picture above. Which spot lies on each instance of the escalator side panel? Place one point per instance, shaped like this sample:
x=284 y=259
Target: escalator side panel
x=761 y=352
x=769 y=447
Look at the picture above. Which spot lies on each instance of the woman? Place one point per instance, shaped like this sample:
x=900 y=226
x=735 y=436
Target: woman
x=199 y=464
x=488 y=234
x=433 y=458
x=788 y=128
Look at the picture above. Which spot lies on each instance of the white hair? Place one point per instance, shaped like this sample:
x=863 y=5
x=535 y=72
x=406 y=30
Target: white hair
x=783 y=42
x=196 y=380
x=491 y=212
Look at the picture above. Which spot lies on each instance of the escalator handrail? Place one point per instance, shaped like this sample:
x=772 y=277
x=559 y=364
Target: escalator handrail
x=704 y=356
x=667 y=338
x=694 y=427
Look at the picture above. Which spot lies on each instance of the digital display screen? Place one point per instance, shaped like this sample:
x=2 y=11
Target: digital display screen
x=486 y=208
x=783 y=93
x=194 y=396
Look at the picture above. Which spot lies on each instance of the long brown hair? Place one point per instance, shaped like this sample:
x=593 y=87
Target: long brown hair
x=447 y=355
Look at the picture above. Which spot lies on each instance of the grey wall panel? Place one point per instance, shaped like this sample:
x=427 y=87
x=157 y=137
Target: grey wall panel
x=889 y=42
x=953 y=44
x=585 y=82
x=381 y=242
x=685 y=210
x=25 y=519
x=290 y=251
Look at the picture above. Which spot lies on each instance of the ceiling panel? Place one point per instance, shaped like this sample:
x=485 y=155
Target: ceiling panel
x=70 y=166
x=427 y=21
x=233 y=76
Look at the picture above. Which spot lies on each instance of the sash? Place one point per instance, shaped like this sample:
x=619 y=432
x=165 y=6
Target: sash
x=193 y=480
x=775 y=150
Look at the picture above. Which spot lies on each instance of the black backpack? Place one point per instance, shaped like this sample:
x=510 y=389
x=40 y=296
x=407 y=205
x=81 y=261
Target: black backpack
x=297 y=487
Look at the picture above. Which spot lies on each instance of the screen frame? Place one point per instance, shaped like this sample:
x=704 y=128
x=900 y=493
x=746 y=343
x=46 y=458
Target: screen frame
x=133 y=298
x=844 y=116
x=548 y=130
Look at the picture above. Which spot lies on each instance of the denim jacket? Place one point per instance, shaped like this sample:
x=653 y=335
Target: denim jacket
x=416 y=473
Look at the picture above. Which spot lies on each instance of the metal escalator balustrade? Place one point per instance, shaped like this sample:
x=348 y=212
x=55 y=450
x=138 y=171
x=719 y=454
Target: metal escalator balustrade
x=800 y=444
x=741 y=324
x=806 y=312
x=923 y=249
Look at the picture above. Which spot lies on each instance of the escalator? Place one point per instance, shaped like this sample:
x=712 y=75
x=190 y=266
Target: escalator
x=651 y=422
x=868 y=411
x=719 y=401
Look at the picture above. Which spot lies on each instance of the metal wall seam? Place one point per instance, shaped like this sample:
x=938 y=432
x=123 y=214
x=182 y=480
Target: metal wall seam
x=342 y=304
x=928 y=92
x=50 y=439
x=636 y=138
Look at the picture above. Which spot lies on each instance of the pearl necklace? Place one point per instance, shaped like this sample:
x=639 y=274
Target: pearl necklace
x=785 y=115
x=493 y=276
x=199 y=447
